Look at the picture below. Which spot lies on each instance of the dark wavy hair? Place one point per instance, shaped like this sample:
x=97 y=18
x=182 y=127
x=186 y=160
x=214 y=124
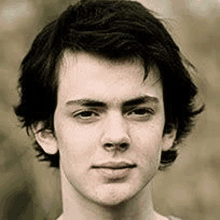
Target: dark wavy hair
x=113 y=29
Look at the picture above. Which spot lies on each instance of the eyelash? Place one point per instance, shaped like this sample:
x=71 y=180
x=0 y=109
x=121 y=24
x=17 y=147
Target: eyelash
x=82 y=115
x=141 y=114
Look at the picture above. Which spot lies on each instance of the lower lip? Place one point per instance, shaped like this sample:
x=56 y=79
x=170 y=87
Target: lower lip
x=114 y=173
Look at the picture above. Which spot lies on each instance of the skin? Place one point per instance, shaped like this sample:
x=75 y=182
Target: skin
x=96 y=122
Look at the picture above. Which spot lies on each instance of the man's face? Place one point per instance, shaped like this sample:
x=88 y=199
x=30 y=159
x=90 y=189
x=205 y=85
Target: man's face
x=109 y=127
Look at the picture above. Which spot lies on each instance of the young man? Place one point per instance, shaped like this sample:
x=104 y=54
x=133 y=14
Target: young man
x=107 y=95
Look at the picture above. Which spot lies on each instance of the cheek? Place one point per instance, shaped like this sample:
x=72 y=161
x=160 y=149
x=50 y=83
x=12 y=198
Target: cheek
x=74 y=142
x=147 y=140
x=148 y=134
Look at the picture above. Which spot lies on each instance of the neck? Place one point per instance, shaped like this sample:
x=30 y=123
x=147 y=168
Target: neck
x=75 y=206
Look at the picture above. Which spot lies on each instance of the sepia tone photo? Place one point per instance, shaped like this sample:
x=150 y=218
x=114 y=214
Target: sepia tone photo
x=109 y=110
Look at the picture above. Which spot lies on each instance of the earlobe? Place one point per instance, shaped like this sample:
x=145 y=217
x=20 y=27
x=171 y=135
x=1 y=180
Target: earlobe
x=168 y=139
x=45 y=139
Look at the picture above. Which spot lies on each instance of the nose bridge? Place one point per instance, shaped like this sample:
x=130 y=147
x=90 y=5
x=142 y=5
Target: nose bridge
x=115 y=129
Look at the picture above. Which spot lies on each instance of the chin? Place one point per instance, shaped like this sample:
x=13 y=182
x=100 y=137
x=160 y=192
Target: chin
x=114 y=195
x=112 y=202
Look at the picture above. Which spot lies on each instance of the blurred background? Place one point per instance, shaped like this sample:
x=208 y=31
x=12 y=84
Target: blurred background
x=189 y=189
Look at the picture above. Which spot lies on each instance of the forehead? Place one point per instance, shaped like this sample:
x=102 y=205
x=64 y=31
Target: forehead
x=81 y=59
x=83 y=74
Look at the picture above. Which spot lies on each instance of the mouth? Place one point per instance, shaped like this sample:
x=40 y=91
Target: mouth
x=114 y=170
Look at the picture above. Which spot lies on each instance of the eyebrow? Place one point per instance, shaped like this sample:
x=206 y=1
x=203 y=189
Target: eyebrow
x=87 y=103
x=140 y=100
x=129 y=103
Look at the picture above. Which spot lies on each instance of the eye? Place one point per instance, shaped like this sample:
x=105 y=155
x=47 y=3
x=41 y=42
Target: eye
x=86 y=116
x=140 y=113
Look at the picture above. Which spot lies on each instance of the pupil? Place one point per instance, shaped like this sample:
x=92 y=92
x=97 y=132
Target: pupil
x=140 y=111
x=86 y=114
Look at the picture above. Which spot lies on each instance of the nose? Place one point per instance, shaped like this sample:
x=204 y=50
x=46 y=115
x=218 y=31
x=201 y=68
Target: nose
x=115 y=136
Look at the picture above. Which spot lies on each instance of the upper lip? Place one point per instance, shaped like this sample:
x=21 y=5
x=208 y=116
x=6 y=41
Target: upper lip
x=115 y=165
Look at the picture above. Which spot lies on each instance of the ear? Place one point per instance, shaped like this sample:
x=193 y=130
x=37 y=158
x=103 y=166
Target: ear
x=168 y=139
x=45 y=138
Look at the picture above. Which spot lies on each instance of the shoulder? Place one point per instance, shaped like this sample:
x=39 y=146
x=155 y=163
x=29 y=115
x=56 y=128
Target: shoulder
x=60 y=217
x=157 y=216
x=173 y=218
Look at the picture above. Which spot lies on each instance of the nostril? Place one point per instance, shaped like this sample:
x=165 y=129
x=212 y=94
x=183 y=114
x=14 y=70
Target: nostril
x=123 y=146
x=116 y=147
x=109 y=147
